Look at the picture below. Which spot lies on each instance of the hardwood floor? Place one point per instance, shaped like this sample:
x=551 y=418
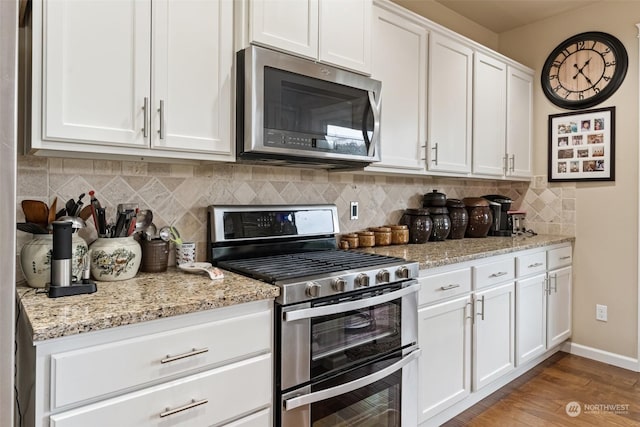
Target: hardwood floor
x=607 y=396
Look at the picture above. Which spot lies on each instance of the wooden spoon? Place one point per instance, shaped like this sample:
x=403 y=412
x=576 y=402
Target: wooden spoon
x=36 y=211
x=52 y=210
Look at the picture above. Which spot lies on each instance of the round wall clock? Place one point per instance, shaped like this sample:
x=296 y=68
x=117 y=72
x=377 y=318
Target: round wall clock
x=584 y=70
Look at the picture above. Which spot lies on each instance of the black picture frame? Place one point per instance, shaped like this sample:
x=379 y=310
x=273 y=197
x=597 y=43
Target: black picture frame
x=582 y=145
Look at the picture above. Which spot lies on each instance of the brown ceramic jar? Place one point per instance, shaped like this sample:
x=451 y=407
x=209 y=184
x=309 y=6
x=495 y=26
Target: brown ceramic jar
x=382 y=236
x=366 y=239
x=441 y=223
x=459 y=218
x=419 y=223
x=480 y=217
x=352 y=239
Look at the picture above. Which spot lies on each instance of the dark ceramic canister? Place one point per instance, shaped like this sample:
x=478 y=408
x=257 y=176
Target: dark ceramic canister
x=480 y=217
x=155 y=255
x=434 y=199
x=419 y=223
x=441 y=223
x=459 y=218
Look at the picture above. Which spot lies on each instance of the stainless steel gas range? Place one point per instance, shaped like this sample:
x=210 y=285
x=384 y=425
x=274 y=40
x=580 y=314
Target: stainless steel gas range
x=346 y=321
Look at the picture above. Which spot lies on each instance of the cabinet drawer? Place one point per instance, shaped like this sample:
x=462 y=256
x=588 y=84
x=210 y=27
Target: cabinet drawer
x=559 y=257
x=493 y=273
x=94 y=371
x=444 y=285
x=530 y=264
x=207 y=398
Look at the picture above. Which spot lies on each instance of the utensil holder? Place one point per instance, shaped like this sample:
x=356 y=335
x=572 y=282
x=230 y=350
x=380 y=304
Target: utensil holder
x=114 y=259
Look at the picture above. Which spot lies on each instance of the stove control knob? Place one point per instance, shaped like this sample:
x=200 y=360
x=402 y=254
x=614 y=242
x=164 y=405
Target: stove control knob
x=383 y=276
x=339 y=284
x=361 y=281
x=402 y=272
x=313 y=289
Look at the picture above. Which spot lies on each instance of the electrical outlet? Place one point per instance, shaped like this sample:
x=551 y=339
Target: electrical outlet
x=601 y=312
x=354 y=210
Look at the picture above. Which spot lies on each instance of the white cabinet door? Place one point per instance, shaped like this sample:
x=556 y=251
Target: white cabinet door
x=290 y=25
x=345 y=33
x=95 y=71
x=489 y=115
x=531 y=318
x=493 y=334
x=559 y=306
x=444 y=335
x=403 y=90
x=450 y=106
x=192 y=62
x=519 y=122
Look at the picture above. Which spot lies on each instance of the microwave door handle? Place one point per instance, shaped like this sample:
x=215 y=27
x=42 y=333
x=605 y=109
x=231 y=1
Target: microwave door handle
x=317 y=396
x=374 y=104
x=307 y=313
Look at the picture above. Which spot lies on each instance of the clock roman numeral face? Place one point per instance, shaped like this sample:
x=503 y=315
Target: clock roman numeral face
x=584 y=70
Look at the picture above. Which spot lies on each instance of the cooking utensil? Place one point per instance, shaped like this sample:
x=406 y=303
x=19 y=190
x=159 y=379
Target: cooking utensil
x=36 y=212
x=151 y=232
x=86 y=212
x=144 y=218
x=165 y=234
x=52 y=211
x=29 y=227
x=175 y=235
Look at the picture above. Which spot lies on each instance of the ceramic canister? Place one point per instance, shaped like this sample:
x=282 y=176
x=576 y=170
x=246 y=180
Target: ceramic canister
x=35 y=259
x=115 y=258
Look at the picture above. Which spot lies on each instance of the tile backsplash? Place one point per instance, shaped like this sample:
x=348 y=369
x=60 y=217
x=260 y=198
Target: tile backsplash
x=178 y=194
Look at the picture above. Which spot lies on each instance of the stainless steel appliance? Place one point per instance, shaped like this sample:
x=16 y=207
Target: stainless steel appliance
x=345 y=321
x=298 y=112
x=502 y=222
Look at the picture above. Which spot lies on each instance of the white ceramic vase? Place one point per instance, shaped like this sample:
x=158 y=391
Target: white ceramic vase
x=115 y=258
x=35 y=259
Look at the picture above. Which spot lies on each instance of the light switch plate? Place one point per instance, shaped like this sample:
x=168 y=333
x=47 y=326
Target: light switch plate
x=354 y=210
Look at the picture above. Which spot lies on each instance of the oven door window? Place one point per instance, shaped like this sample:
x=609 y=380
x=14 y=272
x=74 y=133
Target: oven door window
x=328 y=116
x=345 y=339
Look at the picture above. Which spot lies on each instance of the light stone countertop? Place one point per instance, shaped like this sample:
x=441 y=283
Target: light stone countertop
x=147 y=296
x=437 y=254
x=150 y=296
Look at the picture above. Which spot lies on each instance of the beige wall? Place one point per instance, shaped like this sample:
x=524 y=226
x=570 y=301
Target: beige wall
x=606 y=256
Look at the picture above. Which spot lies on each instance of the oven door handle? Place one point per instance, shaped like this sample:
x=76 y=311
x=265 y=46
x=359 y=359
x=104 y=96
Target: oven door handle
x=307 y=399
x=307 y=313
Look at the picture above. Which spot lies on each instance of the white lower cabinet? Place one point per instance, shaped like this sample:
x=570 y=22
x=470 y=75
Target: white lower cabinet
x=208 y=368
x=493 y=334
x=483 y=323
x=531 y=310
x=444 y=331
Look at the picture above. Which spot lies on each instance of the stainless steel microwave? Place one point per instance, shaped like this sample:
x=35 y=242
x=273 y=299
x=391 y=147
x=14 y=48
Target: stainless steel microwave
x=293 y=111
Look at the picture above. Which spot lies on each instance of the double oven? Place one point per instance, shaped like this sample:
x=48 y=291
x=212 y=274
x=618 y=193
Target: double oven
x=345 y=321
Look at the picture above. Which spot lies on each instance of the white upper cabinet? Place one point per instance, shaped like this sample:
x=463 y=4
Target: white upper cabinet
x=519 y=122
x=489 y=115
x=336 y=32
x=403 y=90
x=140 y=78
x=449 y=105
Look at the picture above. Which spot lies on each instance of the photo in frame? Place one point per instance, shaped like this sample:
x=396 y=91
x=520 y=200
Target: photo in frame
x=582 y=145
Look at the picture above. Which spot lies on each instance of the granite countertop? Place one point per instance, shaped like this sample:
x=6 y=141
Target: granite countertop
x=150 y=296
x=437 y=254
x=147 y=296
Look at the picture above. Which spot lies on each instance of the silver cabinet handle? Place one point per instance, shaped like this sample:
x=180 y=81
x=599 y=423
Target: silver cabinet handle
x=161 y=131
x=189 y=405
x=565 y=257
x=505 y=168
x=468 y=308
x=191 y=353
x=512 y=160
x=482 y=312
x=145 y=108
x=499 y=274
x=555 y=283
x=537 y=264
x=307 y=313
x=434 y=159
x=317 y=396
x=451 y=286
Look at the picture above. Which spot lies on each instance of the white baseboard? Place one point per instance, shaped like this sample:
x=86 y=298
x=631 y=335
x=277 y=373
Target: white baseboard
x=602 y=356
